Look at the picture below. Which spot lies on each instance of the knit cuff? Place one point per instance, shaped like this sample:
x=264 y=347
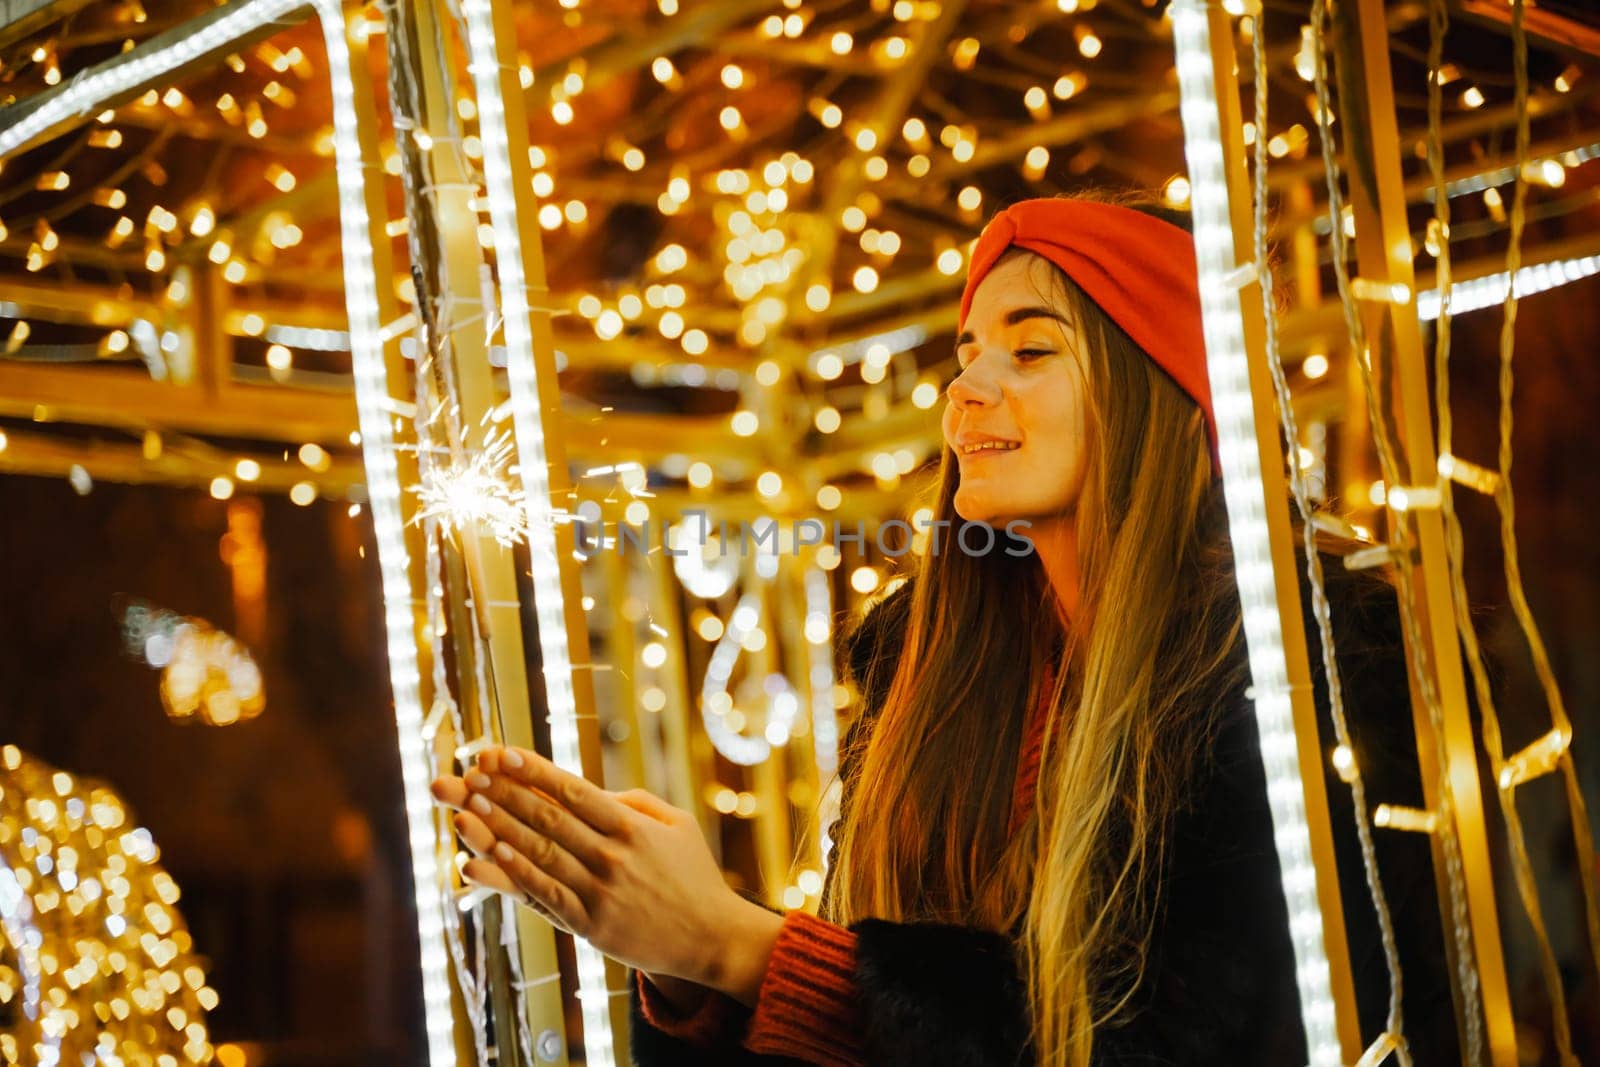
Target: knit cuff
x=807 y=1007
x=714 y=1019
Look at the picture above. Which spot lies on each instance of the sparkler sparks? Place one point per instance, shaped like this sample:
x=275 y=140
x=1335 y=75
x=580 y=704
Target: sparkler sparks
x=477 y=494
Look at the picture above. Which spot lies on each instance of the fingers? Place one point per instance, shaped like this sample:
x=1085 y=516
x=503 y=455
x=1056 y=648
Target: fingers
x=484 y=872
x=473 y=833
x=549 y=895
x=555 y=861
x=506 y=850
x=489 y=875
x=450 y=791
x=541 y=815
x=647 y=803
x=583 y=798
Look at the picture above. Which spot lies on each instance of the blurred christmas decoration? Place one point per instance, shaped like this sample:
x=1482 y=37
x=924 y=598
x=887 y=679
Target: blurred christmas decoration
x=205 y=672
x=96 y=966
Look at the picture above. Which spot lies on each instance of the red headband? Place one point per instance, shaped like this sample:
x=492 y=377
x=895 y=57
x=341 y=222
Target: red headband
x=1140 y=270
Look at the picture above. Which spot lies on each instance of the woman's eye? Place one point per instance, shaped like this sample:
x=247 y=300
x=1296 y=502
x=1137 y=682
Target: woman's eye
x=1033 y=353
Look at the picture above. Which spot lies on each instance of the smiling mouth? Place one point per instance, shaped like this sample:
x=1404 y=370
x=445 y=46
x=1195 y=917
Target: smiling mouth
x=988 y=447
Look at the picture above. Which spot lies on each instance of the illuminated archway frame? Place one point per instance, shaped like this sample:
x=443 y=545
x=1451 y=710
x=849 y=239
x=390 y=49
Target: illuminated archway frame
x=354 y=126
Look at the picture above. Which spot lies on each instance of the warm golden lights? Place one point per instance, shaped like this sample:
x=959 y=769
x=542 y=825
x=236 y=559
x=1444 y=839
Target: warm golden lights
x=105 y=969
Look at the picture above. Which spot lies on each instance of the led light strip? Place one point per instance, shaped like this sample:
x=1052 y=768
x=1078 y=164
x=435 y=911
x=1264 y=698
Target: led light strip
x=730 y=743
x=1228 y=367
x=484 y=65
x=384 y=499
x=896 y=341
x=87 y=92
x=309 y=338
x=1490 y=290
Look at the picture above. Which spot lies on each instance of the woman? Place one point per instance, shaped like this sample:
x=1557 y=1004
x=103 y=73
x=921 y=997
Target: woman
x=1067 y=855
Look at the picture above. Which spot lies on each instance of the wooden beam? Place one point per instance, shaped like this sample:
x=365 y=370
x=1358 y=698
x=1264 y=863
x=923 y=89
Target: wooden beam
x=199 y=127
x=113 y=396
x=1543 y=26
x=1420 y=185
x=1322 y=325
x=21 y=18
x=1540 y=105
x=97 y=305
x=13 y=114
x=314 y=197
x=819 y=230
x=613 y=437
x=49 y=456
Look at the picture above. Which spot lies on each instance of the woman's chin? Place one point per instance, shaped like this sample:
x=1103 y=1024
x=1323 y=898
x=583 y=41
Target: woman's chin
x=978 y=507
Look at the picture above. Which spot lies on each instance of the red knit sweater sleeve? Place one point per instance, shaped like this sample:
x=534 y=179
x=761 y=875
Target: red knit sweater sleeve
x=716 y=1019
x=808 y=1007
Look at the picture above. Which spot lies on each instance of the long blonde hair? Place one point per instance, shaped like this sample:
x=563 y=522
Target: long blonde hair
x=1154 y=638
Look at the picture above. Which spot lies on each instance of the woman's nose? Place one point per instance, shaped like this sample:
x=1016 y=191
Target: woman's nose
x=974 y=386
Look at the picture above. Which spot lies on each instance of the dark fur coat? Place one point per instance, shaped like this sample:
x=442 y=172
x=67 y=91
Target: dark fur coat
x=1218 y=984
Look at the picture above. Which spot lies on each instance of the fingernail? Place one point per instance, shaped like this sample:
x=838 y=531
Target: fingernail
x=480 y=804
x=478 y=780
x=512 y=757
x=502 y=851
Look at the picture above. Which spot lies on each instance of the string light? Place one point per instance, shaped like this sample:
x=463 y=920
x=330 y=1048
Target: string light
x=721 y=719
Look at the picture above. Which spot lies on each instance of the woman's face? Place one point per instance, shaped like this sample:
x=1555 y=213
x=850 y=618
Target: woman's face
x=1015 y=413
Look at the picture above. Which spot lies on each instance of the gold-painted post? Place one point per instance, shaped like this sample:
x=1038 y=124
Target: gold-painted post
x=767 y=778
x=1384 y=254
x=622 y=644
x=679 y=736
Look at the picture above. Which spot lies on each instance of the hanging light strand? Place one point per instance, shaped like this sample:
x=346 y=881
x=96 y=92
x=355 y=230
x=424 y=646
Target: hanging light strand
x=1351 y=775
x=1450 y=845
x=1551 y=751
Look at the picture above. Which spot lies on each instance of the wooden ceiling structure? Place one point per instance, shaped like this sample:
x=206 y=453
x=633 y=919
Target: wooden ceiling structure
x=754 y=216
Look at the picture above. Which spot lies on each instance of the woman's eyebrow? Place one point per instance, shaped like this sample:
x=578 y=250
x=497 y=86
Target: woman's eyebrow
x=1015 y=316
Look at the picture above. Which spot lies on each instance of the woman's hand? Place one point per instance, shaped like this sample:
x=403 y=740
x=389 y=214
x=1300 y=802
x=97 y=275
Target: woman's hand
x=627 y=872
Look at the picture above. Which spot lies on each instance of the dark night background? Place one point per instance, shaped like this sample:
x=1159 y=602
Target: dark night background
x=285 y=833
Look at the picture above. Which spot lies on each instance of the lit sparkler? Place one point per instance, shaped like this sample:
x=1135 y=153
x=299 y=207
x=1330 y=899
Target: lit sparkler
x=478 y=494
